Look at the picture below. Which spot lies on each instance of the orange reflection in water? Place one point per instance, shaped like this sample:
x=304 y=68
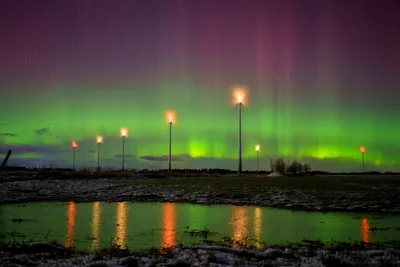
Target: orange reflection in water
x=96 y=212
x=240 y=225
x=365 y=230
x=257 y=224
x=70 y=224
x=169 y=225
x=120 y=227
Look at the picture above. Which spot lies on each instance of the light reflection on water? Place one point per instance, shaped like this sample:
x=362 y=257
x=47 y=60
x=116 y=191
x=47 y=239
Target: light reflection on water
x=120 y=226
x=96 y=213
x=365 y=230
x=169 y=225
x=143 y=225
x=257 y=224
x=70 y=224
x=240 y=224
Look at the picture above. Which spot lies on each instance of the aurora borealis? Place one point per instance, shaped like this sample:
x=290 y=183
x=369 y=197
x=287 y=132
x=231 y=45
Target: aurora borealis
x=323 y=79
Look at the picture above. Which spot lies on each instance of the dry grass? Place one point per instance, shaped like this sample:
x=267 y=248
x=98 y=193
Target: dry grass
x=254 y=182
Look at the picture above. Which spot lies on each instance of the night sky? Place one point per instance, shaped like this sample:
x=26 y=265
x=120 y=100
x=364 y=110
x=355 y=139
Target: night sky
x=323 y=79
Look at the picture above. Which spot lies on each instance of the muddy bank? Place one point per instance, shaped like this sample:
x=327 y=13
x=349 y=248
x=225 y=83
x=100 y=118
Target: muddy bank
x=47 y=254
x=262 y=191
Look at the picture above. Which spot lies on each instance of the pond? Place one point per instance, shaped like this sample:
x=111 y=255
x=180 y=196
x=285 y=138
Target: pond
x=144 y=225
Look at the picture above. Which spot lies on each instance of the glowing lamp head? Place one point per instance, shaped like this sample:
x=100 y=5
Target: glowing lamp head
x=362 y=149
x=124 y=132
x=257 y=147
x=99 y=139
x=170 y=117
x=239 y=94
x=239 y=98
x=74 y=144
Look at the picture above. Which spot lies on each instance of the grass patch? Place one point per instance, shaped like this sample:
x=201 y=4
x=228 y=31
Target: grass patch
x=244 y=251
x=200 y=233
x=221 y=182
x=258 y=182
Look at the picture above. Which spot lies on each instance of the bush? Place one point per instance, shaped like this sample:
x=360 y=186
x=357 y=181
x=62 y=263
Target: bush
x=279 y=165
x=295 y=167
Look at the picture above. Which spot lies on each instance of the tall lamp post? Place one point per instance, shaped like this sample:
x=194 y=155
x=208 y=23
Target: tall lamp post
x=124 y=134
x=99 y=140
x=362 y=150
x=257 y=151
x=239 y=95
x=170 y=117
x=74 y=146
x=170 y=143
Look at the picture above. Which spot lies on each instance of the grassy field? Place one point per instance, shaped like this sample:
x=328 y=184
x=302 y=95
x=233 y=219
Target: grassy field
x=252 y=182
x=216 y=182
x=356 y=193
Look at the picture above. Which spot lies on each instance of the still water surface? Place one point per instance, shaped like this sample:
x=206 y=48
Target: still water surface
x=144 y=225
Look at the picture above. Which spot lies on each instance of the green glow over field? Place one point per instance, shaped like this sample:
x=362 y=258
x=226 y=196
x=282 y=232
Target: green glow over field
x=206 y=127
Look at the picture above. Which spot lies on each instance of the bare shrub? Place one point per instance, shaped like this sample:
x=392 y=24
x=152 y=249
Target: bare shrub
x=279 y=165
x=294 y=167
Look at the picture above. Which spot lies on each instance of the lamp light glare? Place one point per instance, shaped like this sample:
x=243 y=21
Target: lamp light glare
x=257 y=147
x=239 y=98
x=239 y=94
x=99 y=139
x=74 y=144
x=170 y=117
x=124 y=132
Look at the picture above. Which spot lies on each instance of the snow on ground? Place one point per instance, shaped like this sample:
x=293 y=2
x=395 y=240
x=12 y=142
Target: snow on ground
x=213 y=256
x=274 y=174
x=373 y=198
x=380 y=198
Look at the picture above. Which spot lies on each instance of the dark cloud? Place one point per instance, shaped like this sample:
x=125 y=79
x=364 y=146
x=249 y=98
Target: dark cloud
x=24 y=148
x=37 y=162
x=161 y=158
x=43 y=131
x=8 y=134
x=120 y=156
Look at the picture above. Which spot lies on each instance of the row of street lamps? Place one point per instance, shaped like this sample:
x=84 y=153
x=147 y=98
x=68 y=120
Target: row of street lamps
x=239 y=96
x=124 y=134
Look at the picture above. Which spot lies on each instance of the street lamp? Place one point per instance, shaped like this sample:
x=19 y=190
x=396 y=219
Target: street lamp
x=170 y=118
x=239 y=96
x=257 y=150
x=124 y=134
x=99 y=140
x=362 y=150
x=74 y=146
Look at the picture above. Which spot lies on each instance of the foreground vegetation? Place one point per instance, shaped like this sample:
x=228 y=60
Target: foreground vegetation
x=218 y=179
x=224 y=182
x=225 y=252
x=364 y=193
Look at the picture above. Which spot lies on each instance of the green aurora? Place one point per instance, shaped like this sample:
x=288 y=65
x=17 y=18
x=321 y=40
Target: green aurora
x=205 y=134
x=322 y=78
